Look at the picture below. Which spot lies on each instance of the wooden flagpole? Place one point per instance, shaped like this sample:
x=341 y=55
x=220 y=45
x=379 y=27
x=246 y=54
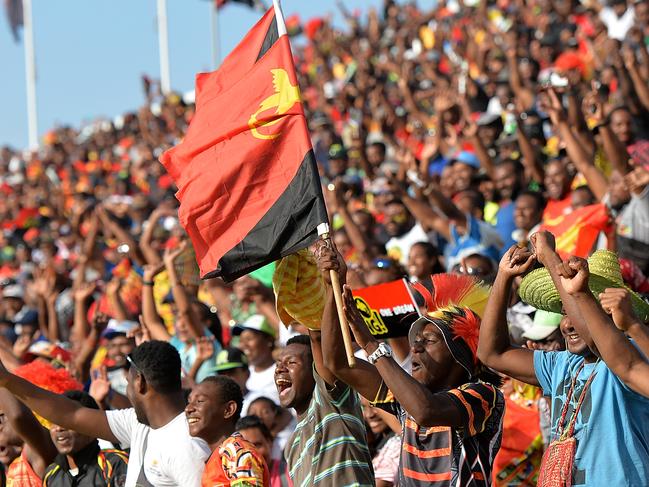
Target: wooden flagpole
x=323 y=232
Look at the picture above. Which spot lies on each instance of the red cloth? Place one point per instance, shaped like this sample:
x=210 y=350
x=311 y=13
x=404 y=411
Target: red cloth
x=312 y=27
x=570 y=60
x=634 y=276
x=556 y=208
x=577 y=232
x=519 y=457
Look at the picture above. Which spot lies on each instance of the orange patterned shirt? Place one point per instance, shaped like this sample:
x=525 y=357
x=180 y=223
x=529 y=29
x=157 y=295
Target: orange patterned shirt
x=235 y=463
x=21 y=474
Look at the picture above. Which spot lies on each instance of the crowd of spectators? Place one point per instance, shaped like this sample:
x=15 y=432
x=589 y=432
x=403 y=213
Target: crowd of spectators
x=443 y=137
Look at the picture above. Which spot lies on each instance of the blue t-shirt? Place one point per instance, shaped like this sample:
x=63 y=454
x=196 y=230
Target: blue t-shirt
x=612 y=428
x=188 y=357
x=505 y=225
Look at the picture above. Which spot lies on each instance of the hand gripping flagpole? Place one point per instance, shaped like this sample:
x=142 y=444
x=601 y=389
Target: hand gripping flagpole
x=323 y=232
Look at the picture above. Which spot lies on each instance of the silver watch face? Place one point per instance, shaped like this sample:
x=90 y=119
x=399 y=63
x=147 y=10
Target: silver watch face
x=383 y=350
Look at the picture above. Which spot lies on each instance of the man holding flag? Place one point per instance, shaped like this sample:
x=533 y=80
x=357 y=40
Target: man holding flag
x=250 y=194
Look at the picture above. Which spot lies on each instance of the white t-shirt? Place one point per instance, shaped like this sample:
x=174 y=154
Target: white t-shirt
x=618 y=27
x=263 y=384
x=172 y=458
x=281 y=439
x=399 y=247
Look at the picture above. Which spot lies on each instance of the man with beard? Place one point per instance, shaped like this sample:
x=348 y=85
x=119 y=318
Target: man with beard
x=162 y=453
x=212 y=412
x=329 y=445
x=583 y=391
x=451 y=420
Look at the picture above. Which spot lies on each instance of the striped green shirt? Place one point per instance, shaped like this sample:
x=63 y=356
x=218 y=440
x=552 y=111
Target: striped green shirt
x=329 y=444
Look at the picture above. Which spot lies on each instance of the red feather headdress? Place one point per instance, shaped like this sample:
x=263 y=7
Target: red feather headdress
x=459 y=301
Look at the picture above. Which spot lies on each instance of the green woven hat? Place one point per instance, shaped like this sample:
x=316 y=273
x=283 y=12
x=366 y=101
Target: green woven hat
x=538 y=290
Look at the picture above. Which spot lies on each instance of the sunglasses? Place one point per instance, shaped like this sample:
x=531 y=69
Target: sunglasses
x=131 y=363
x=399 y=218
x=471 y=271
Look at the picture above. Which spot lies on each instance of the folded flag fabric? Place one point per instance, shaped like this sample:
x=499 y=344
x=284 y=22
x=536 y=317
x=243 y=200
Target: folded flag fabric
x=299 y=290
x=577 y=232
x=247 y=180
x=519 y=458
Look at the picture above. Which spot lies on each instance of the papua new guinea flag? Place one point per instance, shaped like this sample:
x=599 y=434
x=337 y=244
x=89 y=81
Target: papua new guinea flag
x=247 y=180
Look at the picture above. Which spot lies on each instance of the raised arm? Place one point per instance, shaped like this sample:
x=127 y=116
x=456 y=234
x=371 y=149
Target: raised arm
x=615 y=151
x=179 y=292
x=437 y=219
x=639 y=84
x=530 y=160
x=150 y=254
x=364 y=377
x=26 y=425
x=150 y=315
x=544 y=245
x=80 y=325
x=359 y=240
x=113 y=289
x=52 y=317
x=494 y=346
x=427 y=408
x=57 y=408
x=120 y=234
x=620 y=355
x=522 y=93
x=616 y=303
x=471 y=134
x=625 y=84
x=578 y=155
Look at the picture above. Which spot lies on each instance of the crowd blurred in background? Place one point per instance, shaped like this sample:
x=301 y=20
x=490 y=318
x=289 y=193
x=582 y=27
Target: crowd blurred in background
x=442 y=138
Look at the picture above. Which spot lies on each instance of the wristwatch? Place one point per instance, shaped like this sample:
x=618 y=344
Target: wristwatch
x=383 y=350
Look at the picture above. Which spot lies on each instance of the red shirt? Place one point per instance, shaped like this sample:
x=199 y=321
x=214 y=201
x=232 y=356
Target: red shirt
x=556 y=208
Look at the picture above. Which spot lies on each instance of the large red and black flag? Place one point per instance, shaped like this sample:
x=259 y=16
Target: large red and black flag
x=14 y=12
x=247 y=180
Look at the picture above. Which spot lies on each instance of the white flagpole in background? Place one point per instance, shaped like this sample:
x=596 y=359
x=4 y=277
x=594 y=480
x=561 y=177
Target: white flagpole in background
x=281 y=26
x=163 y=43
x=215 y=33
x=30 y=74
